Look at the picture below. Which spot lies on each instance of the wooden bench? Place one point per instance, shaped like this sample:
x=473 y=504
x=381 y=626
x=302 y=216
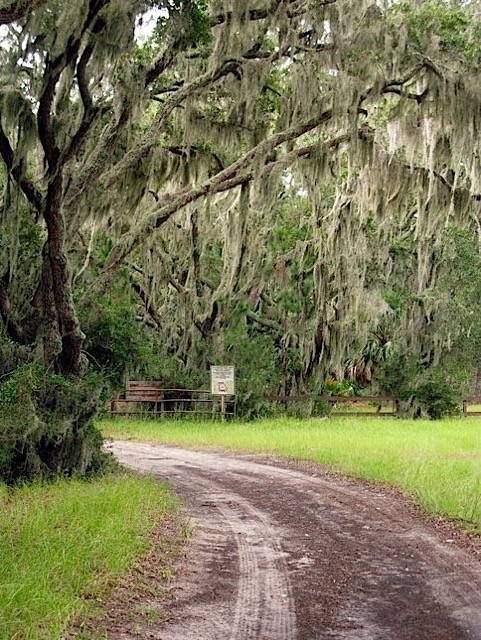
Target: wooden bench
x=138 y=391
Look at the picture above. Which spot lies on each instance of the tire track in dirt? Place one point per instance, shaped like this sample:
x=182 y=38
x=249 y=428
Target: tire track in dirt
x=301 y=556
x=263 y=607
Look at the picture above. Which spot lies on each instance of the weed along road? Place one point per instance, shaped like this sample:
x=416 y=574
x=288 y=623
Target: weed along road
x=288 y=552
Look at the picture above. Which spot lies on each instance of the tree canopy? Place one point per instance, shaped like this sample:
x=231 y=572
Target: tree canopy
x=294 y=166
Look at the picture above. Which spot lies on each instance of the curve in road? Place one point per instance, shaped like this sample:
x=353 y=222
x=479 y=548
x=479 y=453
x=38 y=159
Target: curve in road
x=282 y=554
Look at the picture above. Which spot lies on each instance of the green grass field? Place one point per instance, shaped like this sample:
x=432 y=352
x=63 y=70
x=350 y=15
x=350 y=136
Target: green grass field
x=437 y=463
x=62 y=545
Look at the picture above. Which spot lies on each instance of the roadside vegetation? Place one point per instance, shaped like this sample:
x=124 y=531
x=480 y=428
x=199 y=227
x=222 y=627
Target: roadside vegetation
x=63 y=545
x=437 y=463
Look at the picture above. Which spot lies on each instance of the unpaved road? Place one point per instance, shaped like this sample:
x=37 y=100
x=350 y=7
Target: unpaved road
x=279 y=553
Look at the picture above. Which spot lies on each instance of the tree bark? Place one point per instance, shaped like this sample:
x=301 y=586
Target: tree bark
x=14 y=331
x=68 y=360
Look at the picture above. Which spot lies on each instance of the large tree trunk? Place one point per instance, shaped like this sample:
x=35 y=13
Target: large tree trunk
x=63 y=338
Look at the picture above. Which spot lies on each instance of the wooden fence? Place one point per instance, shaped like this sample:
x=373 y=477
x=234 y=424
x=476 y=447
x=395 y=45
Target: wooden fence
x=143 y=397
x=367 y=405
x=472 y=406
x=340 y=405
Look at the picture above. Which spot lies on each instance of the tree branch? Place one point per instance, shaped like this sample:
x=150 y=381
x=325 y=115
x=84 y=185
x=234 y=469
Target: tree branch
x=265 y=322
x=82 y=78
x=161 y=214
x=53 y=71
x=99 y=159
x=164 y=61
x=205 y=326
x=146 y=301
x=46 y=135
x=31 y=193
x=132 y=158
x=254 y=15
x=18 y=9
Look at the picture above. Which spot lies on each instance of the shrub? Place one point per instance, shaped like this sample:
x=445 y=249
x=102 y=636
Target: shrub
x=47 y=426
x=115 y=342
x=435 y=391
x=397 y=376
x=257 y=370
x=333 y=387
x=439 y=394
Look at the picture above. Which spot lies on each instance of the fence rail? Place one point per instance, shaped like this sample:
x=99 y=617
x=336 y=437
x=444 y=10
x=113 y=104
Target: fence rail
x=143 y=397
x=371 y=405
x=472 y=401
x=149 y=397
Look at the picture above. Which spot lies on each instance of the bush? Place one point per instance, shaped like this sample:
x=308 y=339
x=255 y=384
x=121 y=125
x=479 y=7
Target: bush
x=435 y=391
x=47 y=427
x=115 y=343
x=397 y=376
x=333 y=387
x=257 y=369
x=439 y=394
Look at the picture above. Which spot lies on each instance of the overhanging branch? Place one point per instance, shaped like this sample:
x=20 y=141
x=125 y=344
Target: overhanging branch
x=161 y=214
x=18 y=9
x=254 y=15
x=31 y=193
x=180 y=95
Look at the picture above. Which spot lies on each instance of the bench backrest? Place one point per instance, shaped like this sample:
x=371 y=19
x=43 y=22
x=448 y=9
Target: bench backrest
x=143 y=391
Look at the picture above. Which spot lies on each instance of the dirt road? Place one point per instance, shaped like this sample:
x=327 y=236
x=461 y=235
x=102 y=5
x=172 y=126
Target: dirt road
x=280 y=553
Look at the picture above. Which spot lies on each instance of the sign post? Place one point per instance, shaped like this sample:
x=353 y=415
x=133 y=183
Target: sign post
x=222 y=383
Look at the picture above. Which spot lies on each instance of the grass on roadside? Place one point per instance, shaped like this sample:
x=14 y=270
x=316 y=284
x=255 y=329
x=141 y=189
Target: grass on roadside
x=438 y=463
x=62 y=545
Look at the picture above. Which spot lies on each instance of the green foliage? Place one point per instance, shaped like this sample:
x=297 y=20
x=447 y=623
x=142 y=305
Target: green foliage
x=47 y=426
x=30 y=239
x=439 y=394
x=449 y=22
x=258 y=369
x=191 y=18
x=292 y=224
x=115 y=342
x=394 y=299
x=21 y=242
x=333 y=387
x=459 y=283
x=172 y=371
x=397 y=375
x=435 y=391
x=269 y=98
